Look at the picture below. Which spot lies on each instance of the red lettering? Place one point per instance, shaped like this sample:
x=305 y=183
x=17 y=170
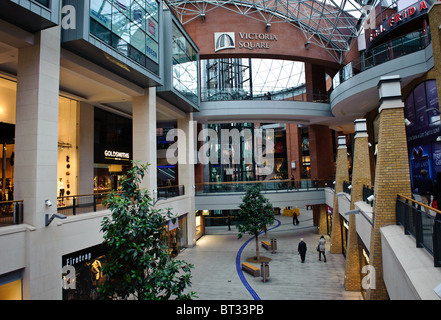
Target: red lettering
x=423 y=5
x=397 y=17
x=391 y=21
x=411 y=11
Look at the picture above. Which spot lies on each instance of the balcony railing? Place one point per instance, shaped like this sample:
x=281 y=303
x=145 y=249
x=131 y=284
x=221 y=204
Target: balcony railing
x=11 y=212
x=398 y=47
x=87 y=203
x=423 y=223
x=278 y=94
x=211 y=188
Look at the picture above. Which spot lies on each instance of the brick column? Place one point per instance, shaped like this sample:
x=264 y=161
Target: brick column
x=391 y=176
x=341 y=174
x=322 y=223
x=361 y=175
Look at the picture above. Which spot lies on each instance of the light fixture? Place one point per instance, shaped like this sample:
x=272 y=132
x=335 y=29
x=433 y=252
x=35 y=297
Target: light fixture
x=438 y=138
x=371 y=198
x=203 y=16
x=350 y=186
x=48 y=203
x=55 y=215
x=407 y=122
x=268 y=25
x=307 y=44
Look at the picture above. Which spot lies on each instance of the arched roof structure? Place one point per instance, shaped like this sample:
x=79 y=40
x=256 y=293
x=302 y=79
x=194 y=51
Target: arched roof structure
x=330 y=24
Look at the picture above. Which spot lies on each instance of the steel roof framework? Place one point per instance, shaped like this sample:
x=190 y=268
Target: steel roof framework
x=329 y=24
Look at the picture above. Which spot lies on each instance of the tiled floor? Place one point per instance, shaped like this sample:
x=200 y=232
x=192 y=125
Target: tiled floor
x=215 y=276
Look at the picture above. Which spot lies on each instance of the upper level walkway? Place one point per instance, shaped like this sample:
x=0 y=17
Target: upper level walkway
x=281 y=193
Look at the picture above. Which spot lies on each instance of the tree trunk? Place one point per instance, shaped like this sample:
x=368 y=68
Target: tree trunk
x=257 y=247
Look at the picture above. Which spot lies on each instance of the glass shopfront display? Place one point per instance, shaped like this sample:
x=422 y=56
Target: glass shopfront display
x=112 y=150
x=176 y=234
x=423 y=128
x=67 y=148
x=11 y=286
x=67 y=142
x=82 y=273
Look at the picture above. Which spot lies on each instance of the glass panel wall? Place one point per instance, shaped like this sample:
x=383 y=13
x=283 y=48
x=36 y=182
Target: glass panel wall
x=185 y=66
x=129 y=26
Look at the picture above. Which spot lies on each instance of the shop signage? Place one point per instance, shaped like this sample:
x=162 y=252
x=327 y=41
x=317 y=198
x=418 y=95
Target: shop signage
x=403 y=16
x=116 y=155
x=112 y=155
x=247 y=40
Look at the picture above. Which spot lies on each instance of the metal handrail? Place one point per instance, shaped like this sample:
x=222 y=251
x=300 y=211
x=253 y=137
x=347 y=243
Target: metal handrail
x=423 y=223
x=267 y=185
x=11 y=212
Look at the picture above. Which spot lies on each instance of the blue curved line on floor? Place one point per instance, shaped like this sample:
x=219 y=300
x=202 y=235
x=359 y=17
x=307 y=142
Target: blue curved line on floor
x=239 y=269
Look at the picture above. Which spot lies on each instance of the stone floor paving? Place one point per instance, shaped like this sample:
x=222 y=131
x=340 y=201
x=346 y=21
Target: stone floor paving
x=215 y=276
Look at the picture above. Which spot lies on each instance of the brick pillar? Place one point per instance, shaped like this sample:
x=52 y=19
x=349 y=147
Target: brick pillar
x=341 y=174
x=392 y=175
x=322 y=223
x=361 y=175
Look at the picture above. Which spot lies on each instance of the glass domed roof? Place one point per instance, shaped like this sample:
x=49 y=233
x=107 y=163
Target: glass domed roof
x=331 y=24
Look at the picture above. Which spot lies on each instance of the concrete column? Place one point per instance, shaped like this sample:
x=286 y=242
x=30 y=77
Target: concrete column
x=85 y=148
x=36 y=137
x=187 y=129
x=341 y=175
x=361 y=175
x=36 y=150
x=392 y=175
x=144 y=136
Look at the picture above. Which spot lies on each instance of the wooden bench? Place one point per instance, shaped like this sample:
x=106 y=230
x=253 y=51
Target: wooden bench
x=253 y=270
x=266 y=245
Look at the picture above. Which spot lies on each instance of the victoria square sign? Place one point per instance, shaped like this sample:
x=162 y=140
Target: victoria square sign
x=250 y=41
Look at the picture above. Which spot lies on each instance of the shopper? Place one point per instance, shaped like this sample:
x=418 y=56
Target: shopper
x=321 y=248
x=295 y=220
x=425 y=188
x=302 y=250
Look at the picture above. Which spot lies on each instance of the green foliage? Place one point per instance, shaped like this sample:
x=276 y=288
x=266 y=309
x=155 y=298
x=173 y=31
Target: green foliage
x=139 y=264
x=255 y=213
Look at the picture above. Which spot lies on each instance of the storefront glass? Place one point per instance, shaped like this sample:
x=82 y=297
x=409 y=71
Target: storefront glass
x=112 y=150
x=423 y=128
x=86 y=266
x=11 y=286
x=67 y=148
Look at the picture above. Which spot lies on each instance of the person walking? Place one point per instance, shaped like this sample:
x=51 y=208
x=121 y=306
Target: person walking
x=302 y=250
x=321 y=248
